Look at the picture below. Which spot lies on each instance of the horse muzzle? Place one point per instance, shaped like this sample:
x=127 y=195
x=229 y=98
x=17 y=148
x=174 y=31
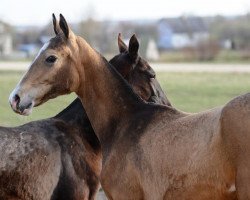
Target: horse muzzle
x=21 y=104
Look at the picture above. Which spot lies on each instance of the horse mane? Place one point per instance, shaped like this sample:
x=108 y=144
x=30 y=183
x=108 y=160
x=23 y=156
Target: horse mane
x=127 y=88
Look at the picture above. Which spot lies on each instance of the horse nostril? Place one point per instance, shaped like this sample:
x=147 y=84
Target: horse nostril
x=17 y=99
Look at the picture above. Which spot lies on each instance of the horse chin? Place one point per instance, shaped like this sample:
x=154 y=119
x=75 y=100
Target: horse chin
x=27 y=112
x=24 y=112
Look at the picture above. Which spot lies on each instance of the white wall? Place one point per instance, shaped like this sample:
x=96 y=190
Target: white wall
x=180 y=40
x=6 y=44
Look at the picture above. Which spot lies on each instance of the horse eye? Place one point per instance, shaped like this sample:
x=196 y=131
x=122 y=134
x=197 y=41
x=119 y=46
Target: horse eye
x=51 y=59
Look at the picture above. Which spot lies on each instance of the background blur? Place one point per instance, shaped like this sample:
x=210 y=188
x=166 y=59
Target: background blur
x=200 y=49
x=178 y=31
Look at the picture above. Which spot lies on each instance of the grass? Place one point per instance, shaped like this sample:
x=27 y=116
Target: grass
x=223 y=56
x=190 y=92
x=228 y=56
x=194 y=92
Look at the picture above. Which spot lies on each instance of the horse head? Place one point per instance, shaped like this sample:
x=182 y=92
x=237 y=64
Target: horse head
x=51 y=73
x=138 y=72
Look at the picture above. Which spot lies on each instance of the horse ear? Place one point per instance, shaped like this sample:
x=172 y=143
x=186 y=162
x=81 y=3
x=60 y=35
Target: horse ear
x=55 y=24
x=122 y=46
x=64 y=26
x=133 y=47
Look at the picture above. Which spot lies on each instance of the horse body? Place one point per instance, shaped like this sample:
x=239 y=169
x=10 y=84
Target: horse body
x=56 y=158
x=182 y=159
x=149 y=151
x=27 y=160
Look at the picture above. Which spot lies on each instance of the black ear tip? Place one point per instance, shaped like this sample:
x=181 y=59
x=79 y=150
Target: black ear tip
x=133 y=46
x=53 y=16
x=119 y=36
x=61 y=16
x=122 y=46
x=134 y=39
x=64 y=26
x=54 y=23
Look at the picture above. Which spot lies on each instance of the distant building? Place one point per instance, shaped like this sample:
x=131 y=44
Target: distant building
x=176 y=33
x=152 y=52
x=6 y=40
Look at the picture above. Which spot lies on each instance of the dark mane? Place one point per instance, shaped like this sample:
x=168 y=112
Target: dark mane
x=127 y=88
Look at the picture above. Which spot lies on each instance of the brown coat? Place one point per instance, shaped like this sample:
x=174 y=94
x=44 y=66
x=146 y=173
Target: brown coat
x=149 y=151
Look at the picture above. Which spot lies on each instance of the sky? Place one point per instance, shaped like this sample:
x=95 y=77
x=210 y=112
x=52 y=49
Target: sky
x=31 y=12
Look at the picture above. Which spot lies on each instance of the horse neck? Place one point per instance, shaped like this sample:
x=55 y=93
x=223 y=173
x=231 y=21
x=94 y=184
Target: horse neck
x=160 y=94
x=104 y=93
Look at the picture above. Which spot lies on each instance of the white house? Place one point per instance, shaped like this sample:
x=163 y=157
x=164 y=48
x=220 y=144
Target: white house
x=176 y=33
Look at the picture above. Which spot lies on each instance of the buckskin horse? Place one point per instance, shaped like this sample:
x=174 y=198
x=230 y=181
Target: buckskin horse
x=150 y=151
x=60 y=157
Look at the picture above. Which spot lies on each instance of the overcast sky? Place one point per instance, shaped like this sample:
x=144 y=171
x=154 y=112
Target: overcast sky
x=31 y=12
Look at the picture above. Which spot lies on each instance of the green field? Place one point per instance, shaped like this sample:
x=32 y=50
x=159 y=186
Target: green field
x=194 y=92
x=190 y=92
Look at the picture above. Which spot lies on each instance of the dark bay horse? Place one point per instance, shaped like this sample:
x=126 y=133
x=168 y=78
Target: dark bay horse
x=138 y=72
x=60 y=157
x=150 y=151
